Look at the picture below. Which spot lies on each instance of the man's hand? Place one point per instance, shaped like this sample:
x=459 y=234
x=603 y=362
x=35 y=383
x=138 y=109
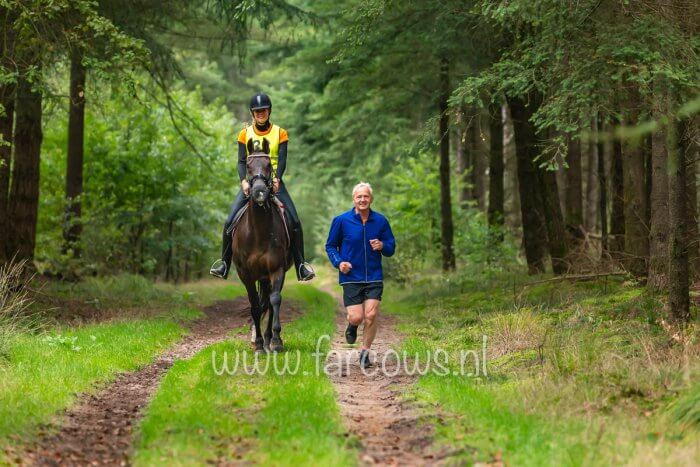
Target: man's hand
x=245 y=186
x=345 y=267
x=376 y=244
x=275 y=185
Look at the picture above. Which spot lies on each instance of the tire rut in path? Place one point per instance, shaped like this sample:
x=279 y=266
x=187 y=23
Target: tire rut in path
x=98 y=430
x=390 y=429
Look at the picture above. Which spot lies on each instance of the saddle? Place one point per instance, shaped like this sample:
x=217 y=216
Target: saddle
x=279 y=208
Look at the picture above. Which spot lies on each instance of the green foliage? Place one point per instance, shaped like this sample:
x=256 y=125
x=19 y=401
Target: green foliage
x=149 y=204
x=588 y=58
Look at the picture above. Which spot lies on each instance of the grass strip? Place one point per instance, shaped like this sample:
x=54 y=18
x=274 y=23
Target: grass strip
x=198 y=416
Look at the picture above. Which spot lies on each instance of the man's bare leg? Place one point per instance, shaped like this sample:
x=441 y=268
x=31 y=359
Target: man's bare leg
x=356 y=314
x=371 y=312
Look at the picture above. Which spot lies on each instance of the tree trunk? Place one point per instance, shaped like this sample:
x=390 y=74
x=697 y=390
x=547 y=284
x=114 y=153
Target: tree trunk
x=679 y=271
x=574 y=202
x=7 y=115
x=478 y=162
x=531 y=203
x=463 y=161
x=603 y=188
x=447 y=227
x=511 y=190
x=7 y=101
x=24 y=192
x=590 y=218
x=496 y=167
x=74 y=173
x=556 y=228
x=693 y=242
x=617 y=218
x=636 y=228
x=659 y=235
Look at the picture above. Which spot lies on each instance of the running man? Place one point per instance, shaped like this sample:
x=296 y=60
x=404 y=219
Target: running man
x=356 y=243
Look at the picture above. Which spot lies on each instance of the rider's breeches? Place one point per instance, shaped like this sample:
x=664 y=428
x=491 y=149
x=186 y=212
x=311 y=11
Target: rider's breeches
x=295 y=227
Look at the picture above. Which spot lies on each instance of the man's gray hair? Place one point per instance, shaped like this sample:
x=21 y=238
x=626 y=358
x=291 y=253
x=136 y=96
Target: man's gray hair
x=362 y=185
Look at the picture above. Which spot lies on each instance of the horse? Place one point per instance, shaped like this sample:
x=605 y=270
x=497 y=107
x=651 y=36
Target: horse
x=261 y=249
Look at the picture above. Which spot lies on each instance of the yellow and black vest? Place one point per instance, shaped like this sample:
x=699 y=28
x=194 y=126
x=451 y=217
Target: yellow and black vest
x=272 y=137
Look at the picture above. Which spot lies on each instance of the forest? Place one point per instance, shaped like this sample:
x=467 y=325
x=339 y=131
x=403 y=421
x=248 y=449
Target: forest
x=537 y=161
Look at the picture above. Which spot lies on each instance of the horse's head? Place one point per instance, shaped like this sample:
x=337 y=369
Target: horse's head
x=259 y=171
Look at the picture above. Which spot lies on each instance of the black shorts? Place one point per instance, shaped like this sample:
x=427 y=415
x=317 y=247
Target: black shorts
x=356 y=293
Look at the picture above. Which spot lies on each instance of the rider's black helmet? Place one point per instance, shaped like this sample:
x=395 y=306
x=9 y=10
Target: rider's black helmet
x=260 y=101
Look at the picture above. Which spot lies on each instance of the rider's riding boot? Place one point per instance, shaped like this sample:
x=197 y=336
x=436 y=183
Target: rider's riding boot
x=303 y=269
x=221 y=267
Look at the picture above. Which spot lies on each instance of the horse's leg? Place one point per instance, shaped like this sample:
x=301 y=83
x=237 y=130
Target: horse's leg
x=276 y=300
x=256 y=312
x=265 y=306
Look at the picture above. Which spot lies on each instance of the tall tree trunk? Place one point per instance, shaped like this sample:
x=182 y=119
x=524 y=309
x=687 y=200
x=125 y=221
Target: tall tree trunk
x=679 y=271
x=574 y=201
x=7 y=116
x=590 y=218
x=463 y=160
x=617 y=218
x=496 y=167
x=691 y=206
x=659 y=235
x=74 y=173
x=512 y=202
x=636 y=228
x=556 y=228
x=478 y=162
x=692 y=155
x=531 y=203
x=603 y=188
x=24 y=192
x=7 y=101
x=447 y=227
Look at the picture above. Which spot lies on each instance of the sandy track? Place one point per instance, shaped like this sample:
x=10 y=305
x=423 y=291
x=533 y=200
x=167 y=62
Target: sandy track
x=391 y=431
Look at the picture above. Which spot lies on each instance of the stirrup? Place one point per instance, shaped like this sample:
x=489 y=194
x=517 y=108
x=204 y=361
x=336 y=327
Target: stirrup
x=309 y=268
x=215 y=266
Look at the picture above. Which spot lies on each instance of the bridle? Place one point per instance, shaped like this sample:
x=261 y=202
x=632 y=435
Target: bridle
x=266 y=180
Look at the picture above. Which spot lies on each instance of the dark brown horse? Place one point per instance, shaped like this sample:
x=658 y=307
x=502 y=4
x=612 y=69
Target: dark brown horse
x=261 y=250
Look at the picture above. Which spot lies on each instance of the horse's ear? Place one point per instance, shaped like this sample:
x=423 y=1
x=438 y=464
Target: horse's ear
x=250 y=146
x=266 y=146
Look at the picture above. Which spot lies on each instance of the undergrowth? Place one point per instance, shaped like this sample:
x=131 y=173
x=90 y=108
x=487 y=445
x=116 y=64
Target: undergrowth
x=578 y=373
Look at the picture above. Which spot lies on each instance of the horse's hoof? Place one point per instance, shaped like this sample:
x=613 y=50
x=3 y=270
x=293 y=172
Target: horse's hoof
x=276 y=346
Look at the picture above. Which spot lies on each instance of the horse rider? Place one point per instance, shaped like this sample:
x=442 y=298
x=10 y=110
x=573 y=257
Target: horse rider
x=262 y=128
x=357 y=240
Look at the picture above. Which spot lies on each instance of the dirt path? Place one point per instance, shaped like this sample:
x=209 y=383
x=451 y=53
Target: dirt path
x=390 y=430
x=98 y=430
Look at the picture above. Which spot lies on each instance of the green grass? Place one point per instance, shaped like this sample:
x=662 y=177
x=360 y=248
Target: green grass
x=578 y=374
x=198 y=417
x=42 y=371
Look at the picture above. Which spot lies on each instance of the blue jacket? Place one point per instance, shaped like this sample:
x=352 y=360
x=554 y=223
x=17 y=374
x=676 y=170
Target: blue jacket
x=348 y=240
